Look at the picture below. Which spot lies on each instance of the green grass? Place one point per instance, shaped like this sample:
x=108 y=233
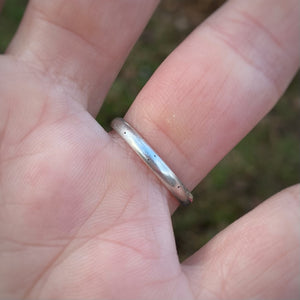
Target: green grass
x=265 y=162
x=10 y=18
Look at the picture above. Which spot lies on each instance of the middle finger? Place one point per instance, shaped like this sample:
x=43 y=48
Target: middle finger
x=81 y=44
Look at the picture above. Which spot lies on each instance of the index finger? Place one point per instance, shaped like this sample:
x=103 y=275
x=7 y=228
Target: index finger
x=216 y=86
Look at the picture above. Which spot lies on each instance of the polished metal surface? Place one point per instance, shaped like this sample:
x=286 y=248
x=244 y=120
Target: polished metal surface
x=152 y=160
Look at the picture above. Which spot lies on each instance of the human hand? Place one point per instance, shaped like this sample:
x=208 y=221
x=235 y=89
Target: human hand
x=81 y=216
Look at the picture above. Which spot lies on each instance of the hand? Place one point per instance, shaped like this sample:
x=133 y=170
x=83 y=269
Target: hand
x=81 y=216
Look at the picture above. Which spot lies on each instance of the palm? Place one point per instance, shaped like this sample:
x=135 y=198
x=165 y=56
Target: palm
x=96 y=224
x=82 y=218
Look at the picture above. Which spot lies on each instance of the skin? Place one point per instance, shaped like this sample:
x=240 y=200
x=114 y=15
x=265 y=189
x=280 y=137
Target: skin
x=81 y=216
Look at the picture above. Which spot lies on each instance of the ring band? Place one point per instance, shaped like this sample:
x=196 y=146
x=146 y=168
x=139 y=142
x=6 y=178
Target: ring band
x=153 y=161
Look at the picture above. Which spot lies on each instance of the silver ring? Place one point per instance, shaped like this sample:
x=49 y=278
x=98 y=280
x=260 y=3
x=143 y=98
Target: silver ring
x=153 y=161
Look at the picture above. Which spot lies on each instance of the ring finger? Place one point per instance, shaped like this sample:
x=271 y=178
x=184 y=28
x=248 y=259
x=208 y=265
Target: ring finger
x=216 y=86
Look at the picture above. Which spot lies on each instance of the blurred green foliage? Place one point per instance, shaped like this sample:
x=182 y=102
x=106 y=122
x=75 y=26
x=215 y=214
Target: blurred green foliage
x=265 y=162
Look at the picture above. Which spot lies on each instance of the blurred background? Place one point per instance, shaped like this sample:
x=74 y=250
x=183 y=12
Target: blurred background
x=265 y=162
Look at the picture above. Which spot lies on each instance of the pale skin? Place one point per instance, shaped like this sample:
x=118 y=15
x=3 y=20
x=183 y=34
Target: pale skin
x=81 y=217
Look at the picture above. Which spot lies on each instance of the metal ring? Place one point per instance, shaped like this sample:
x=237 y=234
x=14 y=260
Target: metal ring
x=153 y=161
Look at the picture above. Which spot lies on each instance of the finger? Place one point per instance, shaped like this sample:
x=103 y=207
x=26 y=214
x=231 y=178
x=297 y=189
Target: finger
x=81 y=44
x=216 y=86
x=1 y=4
x=257 y=257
